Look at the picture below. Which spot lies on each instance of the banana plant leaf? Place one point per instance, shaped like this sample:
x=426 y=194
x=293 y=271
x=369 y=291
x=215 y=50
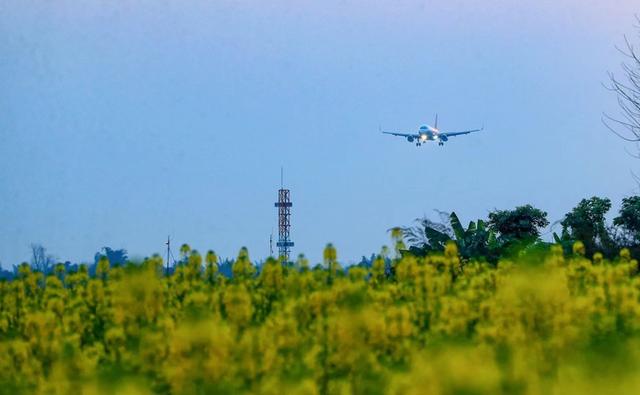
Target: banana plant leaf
x=458 y=230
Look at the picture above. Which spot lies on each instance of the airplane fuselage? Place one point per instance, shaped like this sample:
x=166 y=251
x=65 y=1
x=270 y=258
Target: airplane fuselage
x=426 y=133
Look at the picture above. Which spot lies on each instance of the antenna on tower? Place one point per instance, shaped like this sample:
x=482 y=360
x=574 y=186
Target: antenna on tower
x=168 y=252
x=281 y=177
x=271 y=243
x=169 y=256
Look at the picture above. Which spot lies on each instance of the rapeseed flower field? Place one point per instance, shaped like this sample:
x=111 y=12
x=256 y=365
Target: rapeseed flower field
x=432 y=325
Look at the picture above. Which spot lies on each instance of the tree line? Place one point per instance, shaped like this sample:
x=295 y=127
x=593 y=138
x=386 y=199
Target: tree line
x=503 y=234
x=518 y=231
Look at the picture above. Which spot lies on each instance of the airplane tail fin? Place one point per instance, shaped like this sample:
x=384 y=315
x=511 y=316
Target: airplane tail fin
x=436 y=124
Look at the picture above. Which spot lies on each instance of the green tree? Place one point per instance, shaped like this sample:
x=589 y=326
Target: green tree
x=587 y=223
x=628 y=219
x=520 y=226
x=116 y=257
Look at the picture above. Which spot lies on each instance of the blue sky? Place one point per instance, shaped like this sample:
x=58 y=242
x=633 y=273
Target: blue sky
x=126 y=121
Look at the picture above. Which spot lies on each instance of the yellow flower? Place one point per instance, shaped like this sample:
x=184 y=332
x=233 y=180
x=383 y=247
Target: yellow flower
x=579 y=248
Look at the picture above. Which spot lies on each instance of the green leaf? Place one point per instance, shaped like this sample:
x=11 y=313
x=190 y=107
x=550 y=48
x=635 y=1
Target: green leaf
x=471 y=229
x=458 y=230
x=492 y=243
x=436 y=238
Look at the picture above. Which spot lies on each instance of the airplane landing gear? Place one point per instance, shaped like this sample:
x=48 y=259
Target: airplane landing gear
x=441 y=143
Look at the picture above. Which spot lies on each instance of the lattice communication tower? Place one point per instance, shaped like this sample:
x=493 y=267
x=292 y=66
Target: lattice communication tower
x=284 y=205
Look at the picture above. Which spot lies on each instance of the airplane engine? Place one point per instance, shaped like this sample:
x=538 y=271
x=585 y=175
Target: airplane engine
x=410 y=139
x=443 y=137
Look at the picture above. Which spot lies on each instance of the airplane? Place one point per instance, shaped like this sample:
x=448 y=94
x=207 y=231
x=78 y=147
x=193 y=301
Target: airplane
x=431 y=133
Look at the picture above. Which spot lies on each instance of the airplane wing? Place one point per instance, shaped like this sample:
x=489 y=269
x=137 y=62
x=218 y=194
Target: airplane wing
x=415 y=136
x=451 y=134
